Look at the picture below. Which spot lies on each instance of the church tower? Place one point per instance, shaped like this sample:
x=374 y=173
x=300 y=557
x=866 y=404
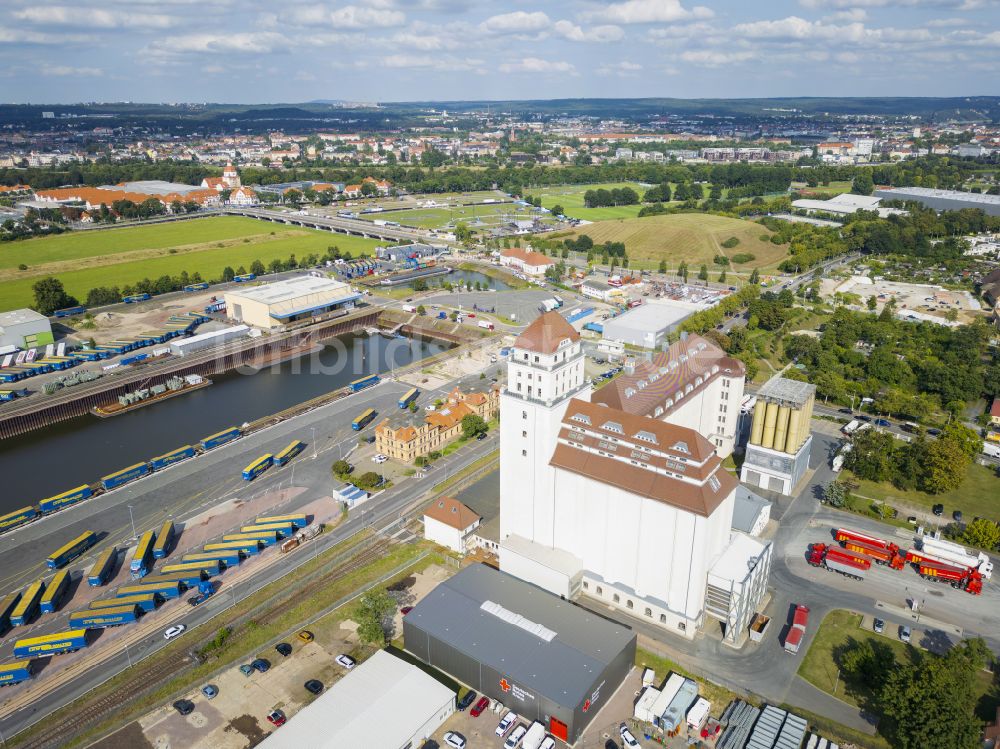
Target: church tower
x=231 y=177
x=544 y=372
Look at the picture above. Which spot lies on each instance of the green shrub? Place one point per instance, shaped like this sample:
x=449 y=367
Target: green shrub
x=743 y=257
x=731 y=242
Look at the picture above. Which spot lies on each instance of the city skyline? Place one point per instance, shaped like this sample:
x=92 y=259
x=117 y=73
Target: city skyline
x=440 y=50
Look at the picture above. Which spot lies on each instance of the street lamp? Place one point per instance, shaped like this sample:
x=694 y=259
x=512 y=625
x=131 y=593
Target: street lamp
x=131 y=518
x=314 y=442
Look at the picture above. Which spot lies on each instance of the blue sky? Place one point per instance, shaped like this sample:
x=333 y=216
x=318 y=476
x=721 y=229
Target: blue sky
x=398 y=50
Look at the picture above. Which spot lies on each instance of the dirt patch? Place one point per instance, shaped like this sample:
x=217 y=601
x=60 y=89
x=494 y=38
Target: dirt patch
x=129 y=737
x=249 y=727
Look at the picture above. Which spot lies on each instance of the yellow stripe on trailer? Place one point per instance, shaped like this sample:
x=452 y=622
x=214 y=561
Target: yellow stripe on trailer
x=57 y=637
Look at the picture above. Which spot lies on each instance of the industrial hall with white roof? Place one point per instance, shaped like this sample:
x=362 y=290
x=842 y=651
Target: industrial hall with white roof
x=619 y=495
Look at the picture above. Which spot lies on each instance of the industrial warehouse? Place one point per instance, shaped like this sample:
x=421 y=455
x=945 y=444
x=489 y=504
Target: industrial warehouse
x=282 y=303
x=543 y=657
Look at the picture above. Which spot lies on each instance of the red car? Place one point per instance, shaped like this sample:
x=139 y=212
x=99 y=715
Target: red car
x=477 y=710
x=276 y=718
x=405 y=610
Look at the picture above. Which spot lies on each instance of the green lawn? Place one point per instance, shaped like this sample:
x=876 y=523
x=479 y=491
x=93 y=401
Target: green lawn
x=86 y=260
x=692 y=237
x=841 y=628
x=570 y=197
x=834 y=188
x=474 y=216
x=978 y=495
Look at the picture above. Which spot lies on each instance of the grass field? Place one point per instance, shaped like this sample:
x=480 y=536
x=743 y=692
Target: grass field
x=834 y=188
x=691 y=237
x=570 y=197
x=977 y=496
x=477 y=217
x=117 y=257
x=820 y=666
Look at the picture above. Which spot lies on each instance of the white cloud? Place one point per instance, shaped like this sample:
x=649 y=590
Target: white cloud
x=13 y=36
x=94 y=18
x=64 y=70
x=347 y=17
x=713 y=58
x=255 y=43
x=432 y=62
x=518 y=22
x=572 y=32
x=940 y=23
x=622 y=69
x=682 y=31
x=850 y=15
x=537 y=65
x=648 y=11
x=424 y=42
x=957 y=4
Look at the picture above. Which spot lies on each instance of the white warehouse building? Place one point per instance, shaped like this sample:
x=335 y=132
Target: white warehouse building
x=616 y=505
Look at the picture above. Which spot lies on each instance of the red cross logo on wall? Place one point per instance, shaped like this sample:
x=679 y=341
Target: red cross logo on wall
x=505 y=685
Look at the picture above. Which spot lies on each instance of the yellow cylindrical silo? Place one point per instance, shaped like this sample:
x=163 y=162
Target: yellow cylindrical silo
x=770 y=419
x=781 y=427
x=757 y=427
x=793 y=440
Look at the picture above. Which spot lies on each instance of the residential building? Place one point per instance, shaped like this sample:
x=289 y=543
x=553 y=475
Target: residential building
x=995 y=413
x=406 y=443
x=243 y=196
x=450 y=523
x=526 y=261
x=616 y=505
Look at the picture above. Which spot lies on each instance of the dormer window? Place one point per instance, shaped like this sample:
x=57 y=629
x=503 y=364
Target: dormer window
x=646 y=437
x=681 y=447
x=613 y=426
x=581 y=418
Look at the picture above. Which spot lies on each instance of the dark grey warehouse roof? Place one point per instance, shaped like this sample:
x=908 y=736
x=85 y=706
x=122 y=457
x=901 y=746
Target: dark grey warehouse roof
x=557 y=650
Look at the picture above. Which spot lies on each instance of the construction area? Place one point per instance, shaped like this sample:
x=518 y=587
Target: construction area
x=913 y=300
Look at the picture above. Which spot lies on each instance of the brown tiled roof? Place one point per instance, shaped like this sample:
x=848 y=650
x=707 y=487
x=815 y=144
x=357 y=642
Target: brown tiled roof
x=995 y=407
x=669 y=372
x=446 y=418
x=545 y=334
x=528 y=257
x=450 y=511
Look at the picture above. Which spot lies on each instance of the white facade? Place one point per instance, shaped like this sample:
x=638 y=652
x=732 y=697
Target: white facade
x=526 y=261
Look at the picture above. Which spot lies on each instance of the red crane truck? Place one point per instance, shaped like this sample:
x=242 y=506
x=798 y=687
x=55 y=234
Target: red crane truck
x=963 y=578
x=797 y=632
x=880 y=550
x=844 y=561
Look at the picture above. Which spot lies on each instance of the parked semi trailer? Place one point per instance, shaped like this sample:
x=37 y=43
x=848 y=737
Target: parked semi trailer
x=119 y=478
x=54 y=644
x=246 y=546
x=103 y=567
x=227 y=558
x=878 y=549
x=293 y=449
x=7 y=606
x=65 y=499
x=55 y=592
x=165 y=589
x=164 y=540
x=957 y=577
x=66 y=554
x=142 y=559
x=174 y=456
x=220 y=438
x=298 y=520
x=957 y=554
x=840 y=560
x=145 y=601
x=797 y=632
x=208 y=568
x=15 y=673
x=106 y=617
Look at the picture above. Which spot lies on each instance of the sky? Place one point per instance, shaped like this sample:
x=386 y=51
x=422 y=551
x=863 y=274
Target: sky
x=252 y=51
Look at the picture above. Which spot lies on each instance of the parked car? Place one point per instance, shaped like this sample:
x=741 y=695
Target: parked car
x=184 y=707
x=878 y=625
x=467 y=699
x=481 y=436
x=610 y=744
x=261 y=664
x=209 y=690
x=174 y=631
x=515 y=736
x=934 y=432
x=276 y=718
x=314 y=686
x=905 y=633
x=454 y=740
x=549 y=743
x=478 y=708
x=882 y=423
x=847 y=411
x=627 y=738
x=346 y=661
x=505 y=723
x=246 y=669
x=863 y=417
x=938 y=510
x=405 y=610
x=284 y=649
x=305 y=635
x=957 y=516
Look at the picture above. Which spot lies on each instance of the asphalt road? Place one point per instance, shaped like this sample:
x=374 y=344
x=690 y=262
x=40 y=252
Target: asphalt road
x=187 y=492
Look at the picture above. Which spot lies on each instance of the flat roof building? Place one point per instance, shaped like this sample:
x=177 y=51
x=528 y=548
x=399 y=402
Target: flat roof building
x=281 y=303
x=649 y=324
x=383 y=702
x=545 y=658
x=24 y=328
x=943 y=200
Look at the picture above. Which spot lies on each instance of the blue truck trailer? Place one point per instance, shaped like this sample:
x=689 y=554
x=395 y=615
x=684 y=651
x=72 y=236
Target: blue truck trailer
x=257 y=467
x=15 y=673
x=190 y=579
x=142 y=558
x=54 y=644
x=27 y=607
x=220 y=438
x=166 y=589
x=20 y=517
x=299 y=520
x=70 y=311
x=363 y=382
x=103 y=567
x=268 y=538
x=293 y=449
x=229 y=558
x=208 y=567
x=114 y=480
x=55 y=592
x=196 y=286
x=175 y=456
x=136 y=298
x=246 y=546
x=164 y=540
x=145 y=601
x=66 y=554
x=108 y=617
x=7 y=606
x=65 y=499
